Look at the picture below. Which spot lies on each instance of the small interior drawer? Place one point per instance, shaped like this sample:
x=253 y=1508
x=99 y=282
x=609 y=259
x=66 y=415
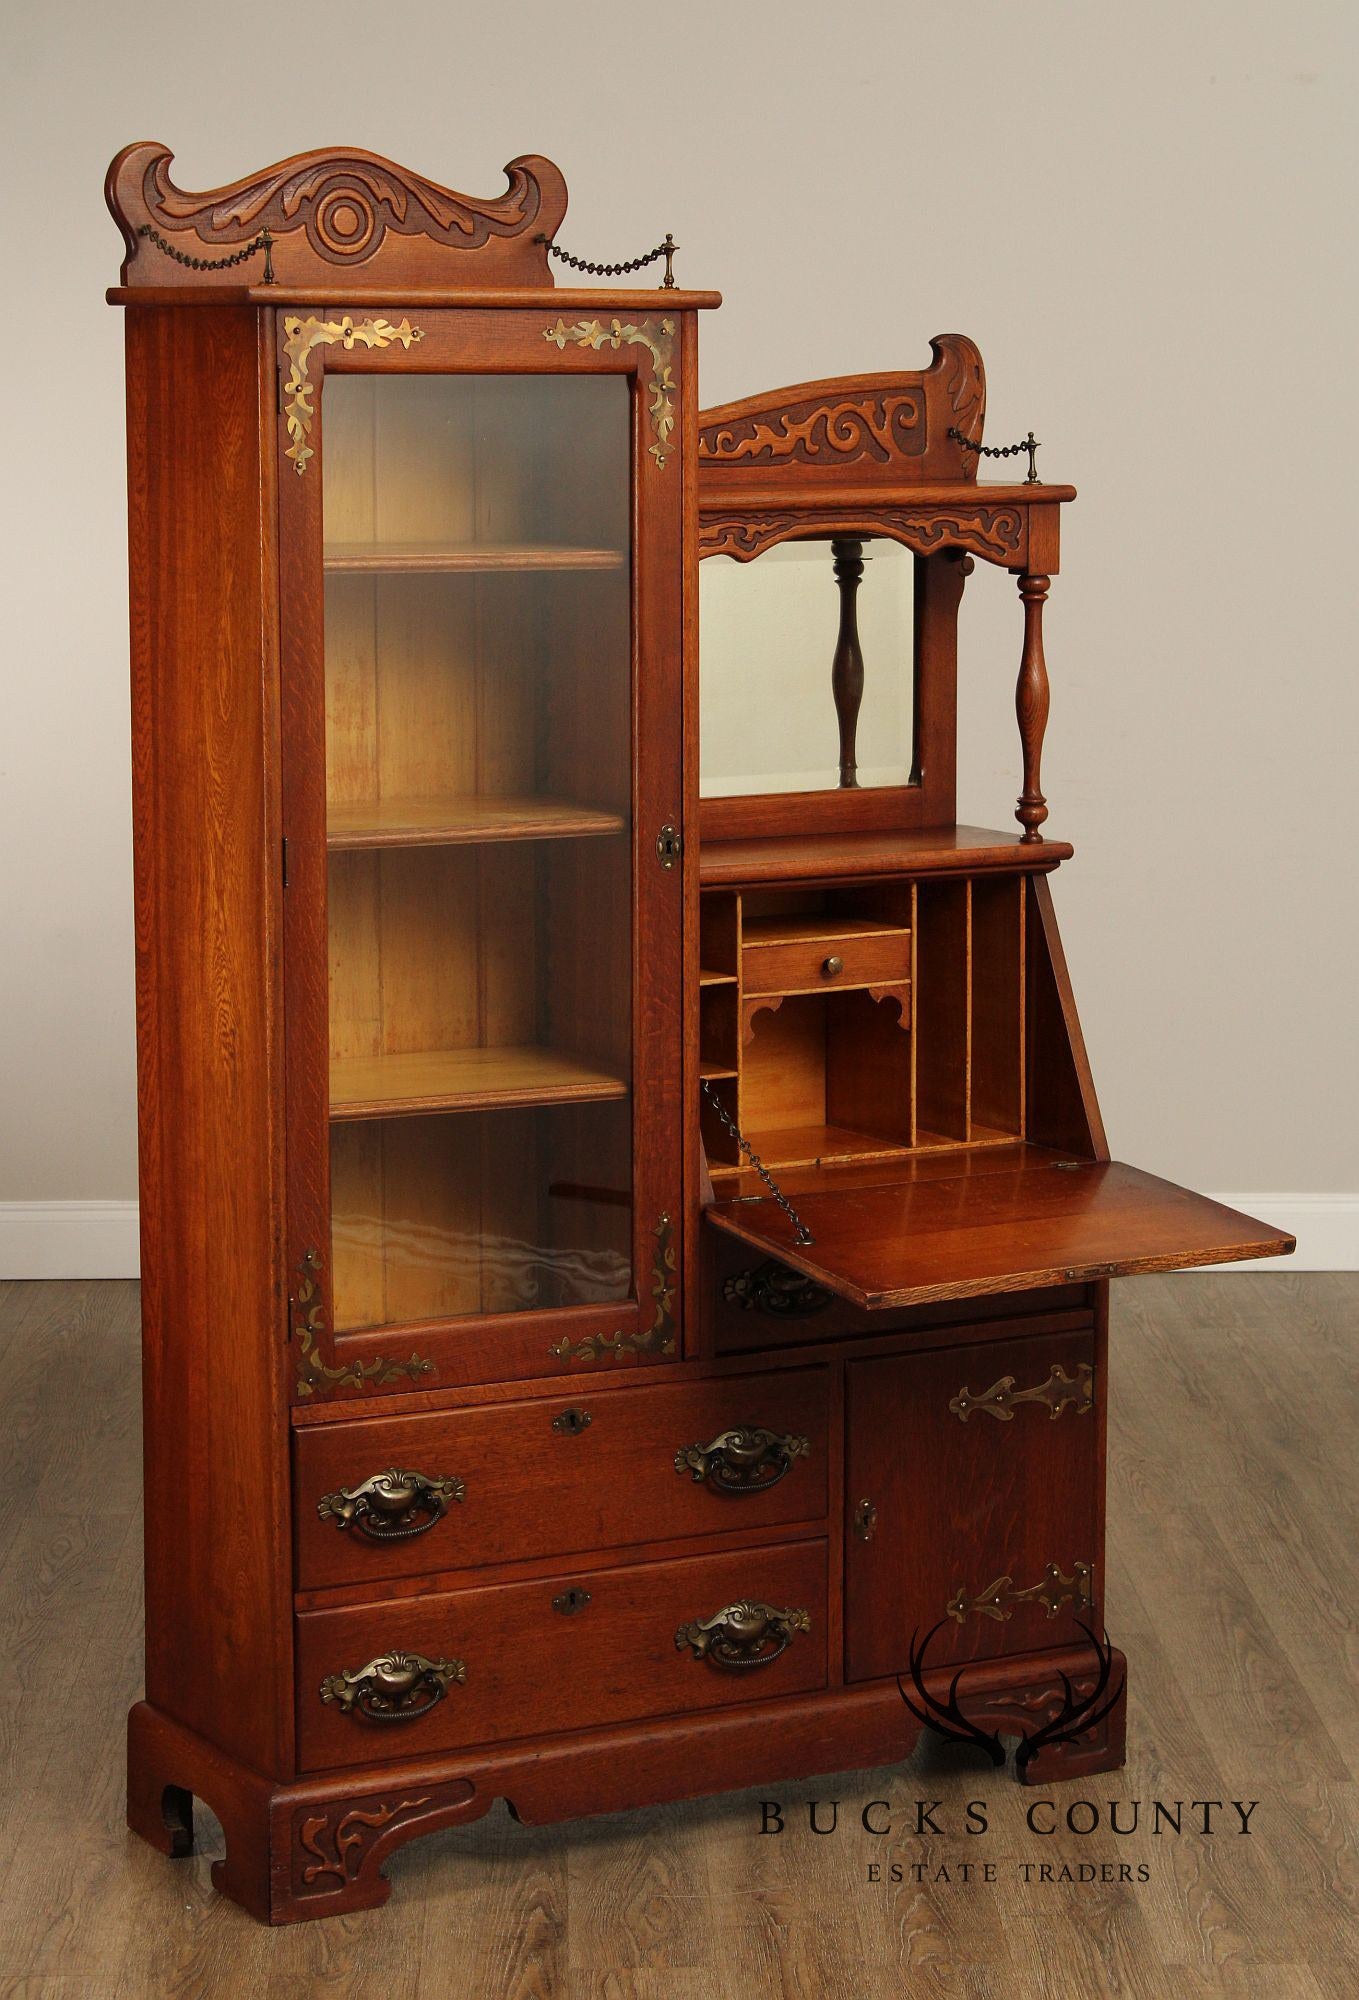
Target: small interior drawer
x=515 y=1481
x=561 y=1653
x=818 y=954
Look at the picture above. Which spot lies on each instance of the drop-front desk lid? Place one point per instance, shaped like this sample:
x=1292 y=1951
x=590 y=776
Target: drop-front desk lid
x=1042 y=1220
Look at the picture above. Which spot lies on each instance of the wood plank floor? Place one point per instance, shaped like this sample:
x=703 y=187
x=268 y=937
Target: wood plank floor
x=1233 y=1582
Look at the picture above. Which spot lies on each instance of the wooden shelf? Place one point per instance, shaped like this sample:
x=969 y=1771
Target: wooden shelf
x=949 y=850
x=804 y=1145
x=433 y=1080
x=815 y=928
x=981 y=1135
x=717 y=978
x=450 y=822
x=438 y=558
x=713 y=1071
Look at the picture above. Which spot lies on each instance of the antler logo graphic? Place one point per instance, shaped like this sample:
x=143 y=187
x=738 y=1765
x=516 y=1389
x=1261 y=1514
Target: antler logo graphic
x=946 y=1719
x=1076 y=1716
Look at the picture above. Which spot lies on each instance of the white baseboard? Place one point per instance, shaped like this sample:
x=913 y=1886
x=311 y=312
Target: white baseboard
x=1326 y=1226
x=69 y=1239
x=98 y=1239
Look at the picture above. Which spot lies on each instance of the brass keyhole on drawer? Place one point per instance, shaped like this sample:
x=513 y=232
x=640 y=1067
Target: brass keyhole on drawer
x=865 y=1520
x=571 y=1601
x=830 y=966
x=572 y=1422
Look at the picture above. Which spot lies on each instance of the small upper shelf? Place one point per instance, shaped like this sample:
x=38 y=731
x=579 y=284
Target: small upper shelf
x=476 y=558
x=463 y=821
x=812 y=857
x=431 y=1080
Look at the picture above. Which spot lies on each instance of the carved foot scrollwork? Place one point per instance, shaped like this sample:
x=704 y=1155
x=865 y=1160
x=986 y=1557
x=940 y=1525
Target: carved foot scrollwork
x=1049 y=1716
x=336 y=1848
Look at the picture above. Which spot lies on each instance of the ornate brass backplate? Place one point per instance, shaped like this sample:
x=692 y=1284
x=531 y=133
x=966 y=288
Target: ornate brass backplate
x=657 y=340
x=748 y=1459
x=772 y=1288
x=392 y=1506
x=742 y=1635
x=300 y=336
x=1000 y=1399
x=314 y=1376
x=1052 y=1591
x=396 y=1687
x=659 y=1337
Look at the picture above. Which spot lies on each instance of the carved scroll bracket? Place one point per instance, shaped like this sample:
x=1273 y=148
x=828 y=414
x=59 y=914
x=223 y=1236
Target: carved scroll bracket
x=998 y=534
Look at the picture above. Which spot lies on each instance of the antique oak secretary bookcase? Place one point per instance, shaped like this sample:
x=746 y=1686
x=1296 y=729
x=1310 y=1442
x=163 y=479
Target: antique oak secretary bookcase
x=509 y=1433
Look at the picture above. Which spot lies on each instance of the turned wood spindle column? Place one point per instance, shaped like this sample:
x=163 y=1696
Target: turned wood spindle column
x=847 y=668
x=1031 y=705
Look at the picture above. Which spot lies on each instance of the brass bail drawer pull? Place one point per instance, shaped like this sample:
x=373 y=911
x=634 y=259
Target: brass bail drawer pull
x=393 y=1505
x=397 y=1687
x=742 y=1635
x=748 y=1459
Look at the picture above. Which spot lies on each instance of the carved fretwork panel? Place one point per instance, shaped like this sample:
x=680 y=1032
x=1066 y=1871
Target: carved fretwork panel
x=885 y=430
x=996 y=534
x=330 y=213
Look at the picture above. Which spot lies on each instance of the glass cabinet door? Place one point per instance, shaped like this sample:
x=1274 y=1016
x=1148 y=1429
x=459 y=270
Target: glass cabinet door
x=481 y=1027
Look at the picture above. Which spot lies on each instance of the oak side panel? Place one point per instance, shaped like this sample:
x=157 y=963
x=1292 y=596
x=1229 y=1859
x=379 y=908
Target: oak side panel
x=1062 y=1108
x=208 y=887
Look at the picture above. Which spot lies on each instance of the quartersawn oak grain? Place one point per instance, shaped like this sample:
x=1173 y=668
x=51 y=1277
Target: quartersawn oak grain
x=936 y=1105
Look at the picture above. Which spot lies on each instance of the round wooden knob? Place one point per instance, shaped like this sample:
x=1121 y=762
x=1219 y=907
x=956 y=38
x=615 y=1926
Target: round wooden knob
x=830 y=966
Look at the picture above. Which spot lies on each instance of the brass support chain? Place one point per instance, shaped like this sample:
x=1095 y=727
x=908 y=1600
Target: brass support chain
x=666 y=250
x=264 y=241
x=801 y=1233
x=1030 y=444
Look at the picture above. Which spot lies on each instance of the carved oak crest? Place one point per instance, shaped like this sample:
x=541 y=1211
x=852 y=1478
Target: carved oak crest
x=331 y=210
x=890 y=429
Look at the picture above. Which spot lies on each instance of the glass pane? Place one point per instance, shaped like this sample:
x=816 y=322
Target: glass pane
x=767 y=638
x=478 y=729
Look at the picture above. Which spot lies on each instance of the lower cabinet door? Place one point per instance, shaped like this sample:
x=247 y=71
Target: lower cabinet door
x=436 y=1673
x=972 y=1502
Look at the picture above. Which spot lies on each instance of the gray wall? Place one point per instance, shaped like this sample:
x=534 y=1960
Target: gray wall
x=1142 y=215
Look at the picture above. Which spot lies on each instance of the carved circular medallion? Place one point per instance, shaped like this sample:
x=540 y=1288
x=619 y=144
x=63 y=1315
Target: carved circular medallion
x=345 y=223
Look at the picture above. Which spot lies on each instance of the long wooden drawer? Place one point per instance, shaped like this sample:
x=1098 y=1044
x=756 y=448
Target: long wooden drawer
x=515 y=1481
x=530 y=1659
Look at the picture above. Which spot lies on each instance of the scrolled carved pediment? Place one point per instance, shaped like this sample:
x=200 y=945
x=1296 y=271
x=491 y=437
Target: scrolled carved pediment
x=332 y=214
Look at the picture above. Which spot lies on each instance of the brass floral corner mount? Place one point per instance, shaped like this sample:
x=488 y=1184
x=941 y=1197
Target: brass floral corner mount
x=659 y=1337
x=317 y=1377
x=300 y=336
x=657 y=339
